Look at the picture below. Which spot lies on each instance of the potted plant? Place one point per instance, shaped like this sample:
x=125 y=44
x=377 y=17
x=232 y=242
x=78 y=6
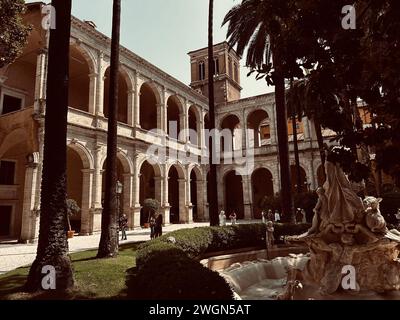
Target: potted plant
x=151 y=206
x=72 y=209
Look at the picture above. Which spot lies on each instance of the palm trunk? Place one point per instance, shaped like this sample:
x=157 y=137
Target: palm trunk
x=53 y=244
x=283 y=143
x=108 y=246
x=212 y=197
x=320 y=140
x=296 y=155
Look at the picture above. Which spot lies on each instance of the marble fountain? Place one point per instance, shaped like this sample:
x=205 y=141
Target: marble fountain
x=351 y=253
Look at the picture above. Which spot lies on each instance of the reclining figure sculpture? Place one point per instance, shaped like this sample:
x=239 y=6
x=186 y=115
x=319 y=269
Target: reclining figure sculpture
x=349 y=231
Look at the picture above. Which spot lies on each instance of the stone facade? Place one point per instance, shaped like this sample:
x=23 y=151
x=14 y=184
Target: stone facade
x=149 y=99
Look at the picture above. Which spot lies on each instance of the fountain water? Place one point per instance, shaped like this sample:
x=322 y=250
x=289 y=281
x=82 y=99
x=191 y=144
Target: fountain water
x=348 y=238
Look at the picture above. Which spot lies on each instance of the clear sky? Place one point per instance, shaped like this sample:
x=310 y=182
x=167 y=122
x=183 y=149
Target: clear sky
x=164 y=31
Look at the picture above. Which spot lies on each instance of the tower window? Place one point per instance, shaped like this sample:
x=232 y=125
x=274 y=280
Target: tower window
x=10 y=104
x=7 y=172
x=202 y=70
x=230 y=67
x=235 y=70
x=216 y=66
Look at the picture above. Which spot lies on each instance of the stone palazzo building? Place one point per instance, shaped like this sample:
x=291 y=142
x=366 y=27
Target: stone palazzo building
x=148 y=99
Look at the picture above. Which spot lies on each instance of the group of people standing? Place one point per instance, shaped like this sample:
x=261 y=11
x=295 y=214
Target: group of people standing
x=222 y=218
x=270 y=216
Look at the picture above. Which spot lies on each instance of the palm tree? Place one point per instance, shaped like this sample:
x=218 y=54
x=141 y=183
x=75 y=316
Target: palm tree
x=213 y=199
x=108 y=246
x=53 y=244
x=258 y=26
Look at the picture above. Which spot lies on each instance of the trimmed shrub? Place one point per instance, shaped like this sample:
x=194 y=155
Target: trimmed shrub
x=167 y=270
x=172 y=275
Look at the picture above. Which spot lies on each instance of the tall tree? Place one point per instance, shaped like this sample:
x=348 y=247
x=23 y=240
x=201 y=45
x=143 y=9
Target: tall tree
x=213 y=199
x=53 y=244
x=259 y=26
x=108 y=246
x=13 y=32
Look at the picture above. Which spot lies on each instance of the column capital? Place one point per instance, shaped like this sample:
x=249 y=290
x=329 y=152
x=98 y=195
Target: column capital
x=88 y=171
x=93 y=75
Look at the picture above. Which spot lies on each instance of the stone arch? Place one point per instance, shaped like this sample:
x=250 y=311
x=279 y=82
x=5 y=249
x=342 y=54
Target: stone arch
x=149 y=186
x=175 y=110
x=303 y=177
x=176 y=193
x=234 y=200
x=81 y=68
x=259 y=122
x=84 y=153
x=149 y=105
x=194 y=121
x=197 y=186
x=232 y=123
x=262 y=186
x=125 y=85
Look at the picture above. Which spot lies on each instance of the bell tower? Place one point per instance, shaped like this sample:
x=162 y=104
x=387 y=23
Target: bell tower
x=227 y=72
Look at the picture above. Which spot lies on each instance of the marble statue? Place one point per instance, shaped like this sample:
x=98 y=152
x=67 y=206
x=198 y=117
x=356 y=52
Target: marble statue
x=347 y=230
x=270 y=234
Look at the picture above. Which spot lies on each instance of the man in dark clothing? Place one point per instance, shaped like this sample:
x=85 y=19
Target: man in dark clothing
x=152 y=227
x=158 y=226
x=123 y=225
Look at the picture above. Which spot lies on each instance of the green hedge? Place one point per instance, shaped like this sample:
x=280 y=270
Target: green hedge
x=169 y=271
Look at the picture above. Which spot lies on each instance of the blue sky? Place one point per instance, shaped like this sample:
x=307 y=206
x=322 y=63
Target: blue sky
x=164 y=31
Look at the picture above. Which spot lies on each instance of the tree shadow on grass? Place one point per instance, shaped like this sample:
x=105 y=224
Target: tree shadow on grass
x=11 y=285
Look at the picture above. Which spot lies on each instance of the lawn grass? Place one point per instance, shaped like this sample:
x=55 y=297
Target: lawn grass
x=94 y=278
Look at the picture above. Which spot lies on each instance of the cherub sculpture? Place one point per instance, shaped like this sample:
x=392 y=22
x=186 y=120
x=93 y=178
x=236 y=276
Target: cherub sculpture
x=373 y=218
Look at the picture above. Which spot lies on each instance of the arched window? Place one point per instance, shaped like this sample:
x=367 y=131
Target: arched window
x=202 y=70
x=230 y=67
x=235 y=75
x=216 y=66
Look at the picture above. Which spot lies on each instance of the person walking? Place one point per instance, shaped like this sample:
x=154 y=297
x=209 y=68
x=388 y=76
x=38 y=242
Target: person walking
x=152 y=226
x=158 y=226
x=277 y=216
x=123 y=225
x=233 y=217
x=264 y=216
x=222 y=218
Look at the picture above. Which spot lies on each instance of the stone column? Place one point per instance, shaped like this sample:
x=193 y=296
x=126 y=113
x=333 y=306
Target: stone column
x=131 y=107
x=96 y=208
x=158 y=181
x=128 y=196
x=29 y=214
x=87 y=182
x=183 y=126
x=94 y=79
x=200 y=134
x=247 y=197
x=160 y=117
x=136 y=105
x=306 y=126
x=245 y=143
x=40 y=121
x=185 y=212
x=200 y=186
x=100 y=86
x=188 y=196
x=40 y=80
x=166 y=206
x=136 y=197
x=272 y=127
x=221 y=190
